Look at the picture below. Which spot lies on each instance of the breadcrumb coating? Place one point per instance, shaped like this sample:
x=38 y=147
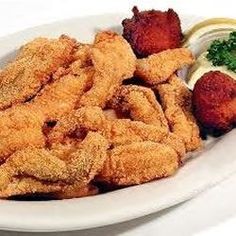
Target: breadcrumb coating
x=77 y=169
x=113 y=61
x=35 y=64
x=139 y=163
x=157 y=68
x=176 y=100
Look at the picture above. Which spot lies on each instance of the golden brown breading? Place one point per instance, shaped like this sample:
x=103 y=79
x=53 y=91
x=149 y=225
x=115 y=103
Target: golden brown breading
x=59 y=143
x=157 y=68
x=138 y=163
x=175 y=142
x=27 y=185
x=117 y=131
x=176 y=101
x=21 y=126
x=61 y=97
x=141 y=104
x=37 y=163
x=77 y=169
x=37 y=61
x=83 y=55
x=75 y=191
x=113 y=61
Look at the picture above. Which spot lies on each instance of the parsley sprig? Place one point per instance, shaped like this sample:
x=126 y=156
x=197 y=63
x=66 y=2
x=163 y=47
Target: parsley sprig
x=223 y=52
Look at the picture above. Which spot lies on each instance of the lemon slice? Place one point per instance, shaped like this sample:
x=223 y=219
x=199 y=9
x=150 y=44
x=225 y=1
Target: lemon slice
x=198 y=40
x=209 y=30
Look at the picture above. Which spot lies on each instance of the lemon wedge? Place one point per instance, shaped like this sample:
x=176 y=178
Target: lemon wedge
x=198 y=40
x=209 y=30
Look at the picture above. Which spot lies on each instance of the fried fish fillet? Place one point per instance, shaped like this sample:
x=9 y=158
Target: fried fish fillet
x=21 y=125
x=50 y=171
x=138 y=163
x=136 y=157
x=176 y=100
x=113 y=61
x=74 y=191
x=36 y=62
x=157 y=68
x=117 y=131
x=29 y=186
x=141 y=104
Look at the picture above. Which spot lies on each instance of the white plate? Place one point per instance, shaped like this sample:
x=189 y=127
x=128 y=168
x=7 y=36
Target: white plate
x=201 y=172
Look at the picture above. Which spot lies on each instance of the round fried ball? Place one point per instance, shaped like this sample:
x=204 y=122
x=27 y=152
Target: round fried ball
x=152 y=31
x=214 y=101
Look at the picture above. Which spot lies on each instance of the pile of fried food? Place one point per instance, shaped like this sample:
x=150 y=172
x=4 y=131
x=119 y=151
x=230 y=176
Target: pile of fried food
x=75 y=116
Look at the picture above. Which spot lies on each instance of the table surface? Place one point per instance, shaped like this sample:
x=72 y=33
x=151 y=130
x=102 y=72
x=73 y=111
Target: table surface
x=213 y=212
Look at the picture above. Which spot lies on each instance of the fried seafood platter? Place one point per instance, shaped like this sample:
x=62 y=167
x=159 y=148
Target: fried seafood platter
x=78 y=119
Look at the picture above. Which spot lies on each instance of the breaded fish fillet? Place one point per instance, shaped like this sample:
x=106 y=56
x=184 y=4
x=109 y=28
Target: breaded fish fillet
x=22 y=125
x=141 y=104
x=138 y=163
x=36 y=62
x=157 y=68
x=140 y=152
x=176 y=100
x=77 y=169
x=29 y=186
x=113 y=61
x=117 y=131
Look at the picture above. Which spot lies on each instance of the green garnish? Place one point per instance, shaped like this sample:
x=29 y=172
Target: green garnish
x=223 y=52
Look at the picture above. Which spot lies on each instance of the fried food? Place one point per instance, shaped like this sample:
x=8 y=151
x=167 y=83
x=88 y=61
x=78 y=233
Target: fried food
x=77 y=169
x=74 y=191
x=152 y=31
x=157 y=68
x=214 y=101
x=22 y=126
x=139 y=163
x=113 y=62
x=85 y=126
x=133 y=162
x=117 y=131
x=141 y=104
x=35 y=64
x=28 y=186
x=176 y=101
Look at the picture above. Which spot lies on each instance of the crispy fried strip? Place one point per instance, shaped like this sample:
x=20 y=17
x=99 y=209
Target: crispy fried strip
x=33 y=67
x=137 y=163
x=113 y=62
x=21 y=126
x=157 y=68
x=75 y=191
x=177 y=105
x=141 y=104
x=75 y=170
x=27 y=185
x=117 y=131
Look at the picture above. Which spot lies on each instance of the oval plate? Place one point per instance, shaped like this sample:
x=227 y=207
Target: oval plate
x=205 y=169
